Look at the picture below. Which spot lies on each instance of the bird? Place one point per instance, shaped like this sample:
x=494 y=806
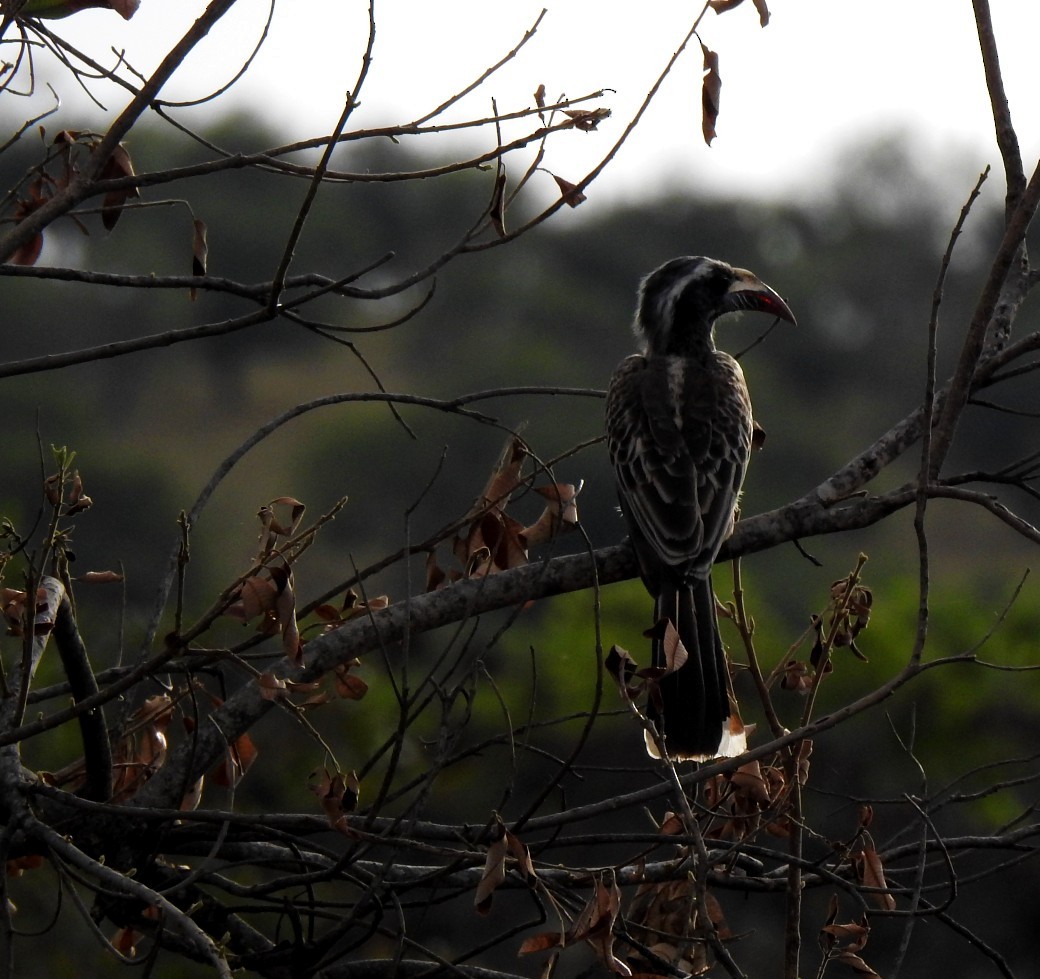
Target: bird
x=679 y=435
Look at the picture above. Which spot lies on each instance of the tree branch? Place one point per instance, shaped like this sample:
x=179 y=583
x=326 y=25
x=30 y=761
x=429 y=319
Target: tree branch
x=82 y=185
x=1007 y=138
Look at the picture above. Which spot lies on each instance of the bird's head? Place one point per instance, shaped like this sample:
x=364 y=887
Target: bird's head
x=680 y=301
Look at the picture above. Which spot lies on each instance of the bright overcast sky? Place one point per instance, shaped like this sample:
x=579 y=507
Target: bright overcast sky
x=822 y=74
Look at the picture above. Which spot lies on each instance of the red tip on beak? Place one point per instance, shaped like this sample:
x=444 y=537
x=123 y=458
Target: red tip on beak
x=750 y=293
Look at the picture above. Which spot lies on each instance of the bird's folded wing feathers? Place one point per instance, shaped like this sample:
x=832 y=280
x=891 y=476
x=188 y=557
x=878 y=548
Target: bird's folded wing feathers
x=678 y=484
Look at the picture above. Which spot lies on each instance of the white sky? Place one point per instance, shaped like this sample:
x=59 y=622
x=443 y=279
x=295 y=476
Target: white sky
x=822 y=74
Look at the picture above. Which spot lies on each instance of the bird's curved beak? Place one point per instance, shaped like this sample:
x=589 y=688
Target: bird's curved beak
x=750 y=292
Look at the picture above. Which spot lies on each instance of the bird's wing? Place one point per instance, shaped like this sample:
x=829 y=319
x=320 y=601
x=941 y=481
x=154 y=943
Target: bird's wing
x=678 y=436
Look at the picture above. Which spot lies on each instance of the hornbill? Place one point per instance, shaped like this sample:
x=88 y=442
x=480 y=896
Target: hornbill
x=679 y=434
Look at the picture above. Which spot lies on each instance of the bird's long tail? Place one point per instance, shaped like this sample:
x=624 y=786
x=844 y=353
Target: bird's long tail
x=692 y=711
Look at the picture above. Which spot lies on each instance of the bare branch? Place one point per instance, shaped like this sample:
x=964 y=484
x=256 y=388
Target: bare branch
x=81 y=186
x=1007 y=138
x=1000 y=291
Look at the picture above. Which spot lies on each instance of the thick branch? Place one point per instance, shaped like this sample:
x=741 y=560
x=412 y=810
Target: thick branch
x=1007 y=138
x=806 y=517
x=97 y=752
x=119 y=348
x=473 y=597
x=461 y=601
x=1011 y=250
x=120 y=883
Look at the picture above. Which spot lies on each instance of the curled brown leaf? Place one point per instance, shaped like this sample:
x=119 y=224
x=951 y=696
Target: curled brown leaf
x=711 y=92
x=497 y=208
x=586 y=119
x=338 y=796
x=116 y=166
x=871 y=873
x=572 y=197
x=494 y=874
x=199 y=252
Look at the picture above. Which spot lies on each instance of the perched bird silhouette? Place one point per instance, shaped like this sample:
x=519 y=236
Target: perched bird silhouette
x=679 y=433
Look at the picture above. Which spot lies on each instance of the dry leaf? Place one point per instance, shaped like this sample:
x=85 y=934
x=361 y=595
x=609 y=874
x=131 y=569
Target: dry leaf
x=851 y=606
x=435 y=575
x=274 y=599
x=493 y=540
x=871 y=873
x=505 y=477
x=749 y=782
x=338 y=795
x=622 y=667
x=758 y=436
x=348 y=686
x=19 y=865
x=672 y=825
x=285 y=611
x=136 y=755
x=497 y=208
x=805 y=750
x=238 y=758
x=28 y=253
x=488 y=528
x=675 y=653
x=842 y=941
x=572 y=197
x=191 y=799
x=560 y=515
x=52 y=489
x=796 y=677
x=595 y=925
x=142 y=750
x=199 y=252
x=494 y=869
x=116 y=166
x=586 y=119
x=353 y=607
x=256 y=596
x=855 y=935
x=504 y=844
x=271 y=526
x=12 y=603
x=541 y=941
x=39 y=192
x=721 y=6
x=271 y=687
x=519 y=851
x=857 y=965
x=125 y=941
x=711 y=91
